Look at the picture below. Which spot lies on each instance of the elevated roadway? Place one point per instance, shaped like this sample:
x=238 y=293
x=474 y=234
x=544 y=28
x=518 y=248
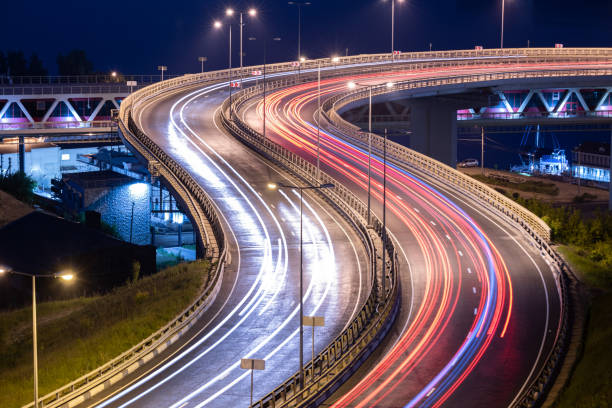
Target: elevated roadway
x=481 y=305
x=256 y=312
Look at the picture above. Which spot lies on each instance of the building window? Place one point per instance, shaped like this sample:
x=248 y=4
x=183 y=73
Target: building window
x=65 y=156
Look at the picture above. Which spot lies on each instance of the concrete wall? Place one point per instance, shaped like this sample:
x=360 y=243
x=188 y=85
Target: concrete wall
x=116 y=209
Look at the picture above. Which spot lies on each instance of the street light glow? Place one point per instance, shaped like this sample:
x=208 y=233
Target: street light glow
x=352 y=85
x=252 y=12
x=113 y=74
x=217 y=24
x=302 y=59
x=65 y=276
x=229 y=12
x=335 y=59
x=390 y=84
x=272 y=186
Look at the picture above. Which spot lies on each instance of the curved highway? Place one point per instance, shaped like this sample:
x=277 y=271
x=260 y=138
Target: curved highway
x=256 y=313
x=480 y=305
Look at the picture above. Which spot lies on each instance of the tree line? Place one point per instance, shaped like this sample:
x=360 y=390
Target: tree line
x=15 y=63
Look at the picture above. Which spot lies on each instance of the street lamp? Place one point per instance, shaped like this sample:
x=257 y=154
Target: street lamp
x=218 y=25
x=502 y=23
x=202 y=61
x=66 y=276
x=162 y=68
x=393 y=27
x=299 y=5
x=353 y=85
x=275 y=186
x=265 y=42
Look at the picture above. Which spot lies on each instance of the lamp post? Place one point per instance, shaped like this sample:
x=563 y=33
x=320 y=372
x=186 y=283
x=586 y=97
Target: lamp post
x=202 y=61
x=218 y=25
x=393 y=28
x=265 y=45
x=299 y=5
x=162 y=68
x=62 y=275
x=502 y=23
x=353 y=85
x=275 y=186
x=384 y=231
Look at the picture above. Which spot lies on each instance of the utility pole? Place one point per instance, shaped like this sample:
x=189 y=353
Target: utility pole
x=482 y=149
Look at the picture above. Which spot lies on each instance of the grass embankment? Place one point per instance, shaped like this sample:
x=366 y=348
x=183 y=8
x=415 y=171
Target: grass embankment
x=532 y=186
x=591 y=383
x=76 y=336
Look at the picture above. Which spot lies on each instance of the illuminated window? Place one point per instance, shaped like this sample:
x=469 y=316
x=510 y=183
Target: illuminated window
x=65 y=156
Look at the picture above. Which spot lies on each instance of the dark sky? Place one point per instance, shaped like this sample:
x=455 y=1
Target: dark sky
x=134 y=36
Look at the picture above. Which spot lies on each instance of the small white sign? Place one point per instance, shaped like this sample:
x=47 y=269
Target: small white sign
x=558 y=45
x=132 y=83
x=252 y=364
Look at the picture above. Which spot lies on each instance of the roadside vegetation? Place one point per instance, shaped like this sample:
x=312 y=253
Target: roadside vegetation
x=19 y=185
x=76 y=336
x=586 y=244
x=532 y=186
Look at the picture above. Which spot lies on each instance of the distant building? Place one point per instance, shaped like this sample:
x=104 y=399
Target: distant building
x=591 y=161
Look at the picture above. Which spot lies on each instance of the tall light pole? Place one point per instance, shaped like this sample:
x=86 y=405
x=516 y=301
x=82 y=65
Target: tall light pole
x=502 y=23
x=384 y=231
x=275 y=186
x=218 y=25
x=353 y=85
x=393 y=28
x=62 y=275
x=202 y=61
x=299 y=5
x=162 y=68
x=265 y=45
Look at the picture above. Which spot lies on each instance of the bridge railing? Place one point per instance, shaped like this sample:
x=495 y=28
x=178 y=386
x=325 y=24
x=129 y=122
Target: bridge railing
x=59 y=125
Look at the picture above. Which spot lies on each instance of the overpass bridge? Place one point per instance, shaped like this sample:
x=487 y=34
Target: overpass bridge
x=462 y=276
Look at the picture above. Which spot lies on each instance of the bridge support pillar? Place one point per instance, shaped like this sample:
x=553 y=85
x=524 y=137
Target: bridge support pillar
x=434 y=129
x=21 y=154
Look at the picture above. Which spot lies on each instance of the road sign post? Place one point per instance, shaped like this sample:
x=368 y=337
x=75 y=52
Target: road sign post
x=252 y=364
x=313 y=321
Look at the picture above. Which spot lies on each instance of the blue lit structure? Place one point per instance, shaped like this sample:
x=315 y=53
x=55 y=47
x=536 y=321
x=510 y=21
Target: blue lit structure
x=591 y=161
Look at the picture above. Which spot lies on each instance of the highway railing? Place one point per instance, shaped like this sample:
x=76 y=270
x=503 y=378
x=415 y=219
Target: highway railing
x=59 y=125
x=351 y=347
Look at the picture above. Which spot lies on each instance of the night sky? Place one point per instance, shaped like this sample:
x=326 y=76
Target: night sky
x=134 y=36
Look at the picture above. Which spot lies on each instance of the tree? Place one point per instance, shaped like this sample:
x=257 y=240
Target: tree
x=36 y=66
x=74 y=63
x=17 y=64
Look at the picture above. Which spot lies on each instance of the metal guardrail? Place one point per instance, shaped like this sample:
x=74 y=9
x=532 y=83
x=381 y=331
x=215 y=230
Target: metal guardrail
x=534 y=115
x=59 y=125
x=361 y=336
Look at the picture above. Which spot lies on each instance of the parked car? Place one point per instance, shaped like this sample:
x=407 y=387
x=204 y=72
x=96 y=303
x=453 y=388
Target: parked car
x=468 y=163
